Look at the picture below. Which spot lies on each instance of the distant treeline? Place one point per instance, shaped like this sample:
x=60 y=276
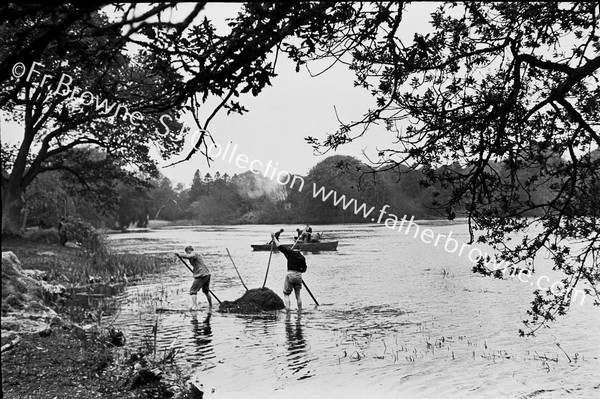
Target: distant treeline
x=252 y=198
x=339 y=189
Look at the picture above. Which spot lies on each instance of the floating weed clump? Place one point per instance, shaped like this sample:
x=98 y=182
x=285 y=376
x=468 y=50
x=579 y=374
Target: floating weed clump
x=254 y=300
x=415 y=341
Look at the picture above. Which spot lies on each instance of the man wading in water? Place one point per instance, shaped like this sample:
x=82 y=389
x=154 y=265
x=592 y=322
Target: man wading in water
x=296 y=265
x=201 y=276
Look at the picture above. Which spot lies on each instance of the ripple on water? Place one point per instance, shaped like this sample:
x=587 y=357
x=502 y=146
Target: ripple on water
x=403 y=319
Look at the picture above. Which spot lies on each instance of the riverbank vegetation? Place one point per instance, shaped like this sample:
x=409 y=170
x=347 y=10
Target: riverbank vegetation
x=252 y=197
x=55 y=346
x=80 y=262
x=492 y=110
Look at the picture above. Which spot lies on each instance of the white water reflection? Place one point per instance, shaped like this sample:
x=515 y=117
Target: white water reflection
x=391 y=324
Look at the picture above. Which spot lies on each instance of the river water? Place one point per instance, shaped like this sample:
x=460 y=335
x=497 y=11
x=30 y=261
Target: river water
x=398 y=318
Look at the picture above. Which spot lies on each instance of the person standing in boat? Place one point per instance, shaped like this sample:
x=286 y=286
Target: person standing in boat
x=201 y=274
x=277 y=234
x=296 y=265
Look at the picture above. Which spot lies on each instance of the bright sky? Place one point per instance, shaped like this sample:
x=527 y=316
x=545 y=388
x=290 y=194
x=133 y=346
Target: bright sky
x=279 y=119
x=283 y=115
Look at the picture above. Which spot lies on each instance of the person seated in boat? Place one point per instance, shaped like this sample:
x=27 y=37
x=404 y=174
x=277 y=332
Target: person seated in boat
x=300 y=235
x=307 y=233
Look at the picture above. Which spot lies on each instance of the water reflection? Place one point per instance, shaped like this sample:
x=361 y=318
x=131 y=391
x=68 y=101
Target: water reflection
x=396 y=336
x=297 y=349
x=203 y=338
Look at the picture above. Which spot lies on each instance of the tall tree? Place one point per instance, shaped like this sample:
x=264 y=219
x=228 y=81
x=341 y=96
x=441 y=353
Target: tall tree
x=165 y=201
x=75 y=85
x=119 y=83
x=498 y=88
x=334 y=191
x=46 y=201
x=198 y=187
x=133 y=206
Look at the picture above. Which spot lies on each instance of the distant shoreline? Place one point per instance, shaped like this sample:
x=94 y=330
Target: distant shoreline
x=185 y=223
x=160 y=224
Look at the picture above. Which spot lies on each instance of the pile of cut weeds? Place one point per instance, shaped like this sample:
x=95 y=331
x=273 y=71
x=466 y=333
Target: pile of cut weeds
x=254 y=300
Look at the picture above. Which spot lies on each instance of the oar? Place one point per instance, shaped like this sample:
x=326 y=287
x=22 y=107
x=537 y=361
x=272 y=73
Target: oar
x=268 y=264
x=238 y=273
x=190 y=269
x=310 y=293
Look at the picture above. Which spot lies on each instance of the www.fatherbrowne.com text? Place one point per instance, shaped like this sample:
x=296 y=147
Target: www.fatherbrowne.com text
x=407 y=225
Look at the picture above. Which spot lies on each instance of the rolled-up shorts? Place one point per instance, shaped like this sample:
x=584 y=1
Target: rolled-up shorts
x=293 y=281
x=202 y=282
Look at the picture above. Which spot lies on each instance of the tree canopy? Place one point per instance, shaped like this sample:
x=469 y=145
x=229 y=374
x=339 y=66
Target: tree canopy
x=499 y=88
x=74 y=76
x=496 y=104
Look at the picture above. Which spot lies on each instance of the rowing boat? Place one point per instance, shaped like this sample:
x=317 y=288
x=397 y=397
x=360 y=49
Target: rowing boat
x=302 y=246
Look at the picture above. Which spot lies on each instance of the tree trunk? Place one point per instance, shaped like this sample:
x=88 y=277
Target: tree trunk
x=12 y=208
x=25 y=213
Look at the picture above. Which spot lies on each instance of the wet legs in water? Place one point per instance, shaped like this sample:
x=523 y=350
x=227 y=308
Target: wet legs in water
x=209 y=299
x=286 y=300
x=195 y=300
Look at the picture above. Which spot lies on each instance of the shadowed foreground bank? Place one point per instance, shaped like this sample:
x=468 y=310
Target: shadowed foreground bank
x=45 y=354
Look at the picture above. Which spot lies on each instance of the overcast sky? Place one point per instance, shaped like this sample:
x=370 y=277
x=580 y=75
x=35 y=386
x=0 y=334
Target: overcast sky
x=279 y=119
x=296 y=106
x=282 y=115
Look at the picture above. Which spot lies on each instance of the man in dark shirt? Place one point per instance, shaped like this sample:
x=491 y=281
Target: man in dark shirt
x=277 y=234
x=296 y=265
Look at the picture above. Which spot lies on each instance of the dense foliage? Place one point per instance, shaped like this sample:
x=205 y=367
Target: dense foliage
x=117 y=77
x=493 y=110
x=339 y=189
x=509 y=91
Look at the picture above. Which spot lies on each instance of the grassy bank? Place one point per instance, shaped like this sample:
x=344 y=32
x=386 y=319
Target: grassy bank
x=70 y=358
x=75 y=266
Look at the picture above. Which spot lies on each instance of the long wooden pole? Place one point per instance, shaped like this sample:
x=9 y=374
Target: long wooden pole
x=190 y=269
x=236 y=269
x=303 y=283
x=268 y=264
x=295 y=242
x=310 y=293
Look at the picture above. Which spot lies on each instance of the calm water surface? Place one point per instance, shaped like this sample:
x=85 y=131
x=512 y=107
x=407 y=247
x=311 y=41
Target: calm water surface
x=399 y=318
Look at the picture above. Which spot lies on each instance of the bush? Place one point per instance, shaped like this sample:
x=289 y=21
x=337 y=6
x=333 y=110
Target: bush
x=85 y=234
x=49 y=236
